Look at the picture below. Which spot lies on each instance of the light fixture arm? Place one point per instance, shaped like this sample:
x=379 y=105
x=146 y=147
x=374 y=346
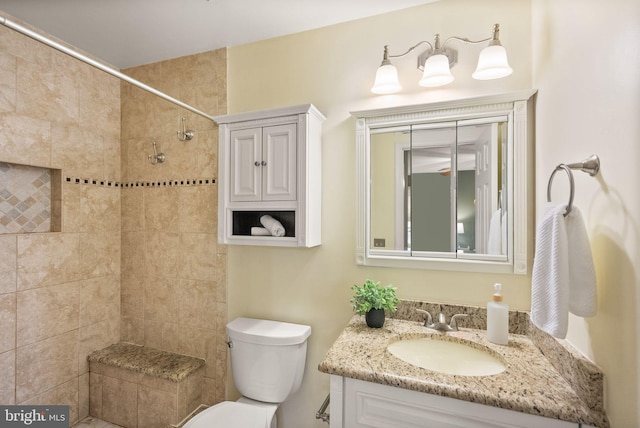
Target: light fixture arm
x=411 y=49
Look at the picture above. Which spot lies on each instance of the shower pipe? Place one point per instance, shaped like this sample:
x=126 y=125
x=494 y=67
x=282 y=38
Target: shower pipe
x=42 y=39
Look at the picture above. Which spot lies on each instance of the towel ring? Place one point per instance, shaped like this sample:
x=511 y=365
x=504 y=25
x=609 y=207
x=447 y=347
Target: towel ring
x=571 y=183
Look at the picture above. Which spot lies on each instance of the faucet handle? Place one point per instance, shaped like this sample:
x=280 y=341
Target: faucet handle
x=453 y=323
x=427 y=321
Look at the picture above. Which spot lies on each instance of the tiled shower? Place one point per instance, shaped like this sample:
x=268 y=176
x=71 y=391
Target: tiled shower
x=136 y=256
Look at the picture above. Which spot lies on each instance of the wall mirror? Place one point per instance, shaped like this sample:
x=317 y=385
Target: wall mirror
x=445 y=185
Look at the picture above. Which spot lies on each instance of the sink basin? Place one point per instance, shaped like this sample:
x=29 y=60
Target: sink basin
x=445 y=356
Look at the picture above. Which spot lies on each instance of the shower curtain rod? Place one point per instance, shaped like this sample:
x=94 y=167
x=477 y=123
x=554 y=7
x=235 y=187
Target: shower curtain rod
x=42 y=39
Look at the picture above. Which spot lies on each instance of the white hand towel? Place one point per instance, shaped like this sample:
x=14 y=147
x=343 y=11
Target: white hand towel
x=494 y=243
x=550 y=278
x=582 y=273
x=272 y=225
x=260 y=231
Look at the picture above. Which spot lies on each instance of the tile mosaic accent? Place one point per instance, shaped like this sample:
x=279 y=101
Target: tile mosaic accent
x=133 y=184
x=25 y=198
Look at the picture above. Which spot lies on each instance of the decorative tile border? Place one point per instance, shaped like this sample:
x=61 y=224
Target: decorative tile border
x=132 y=184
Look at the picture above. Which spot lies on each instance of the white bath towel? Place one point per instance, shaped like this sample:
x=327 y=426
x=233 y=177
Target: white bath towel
x=260 y=231
x=582 y=273
x=272 y=225
x=550 y=278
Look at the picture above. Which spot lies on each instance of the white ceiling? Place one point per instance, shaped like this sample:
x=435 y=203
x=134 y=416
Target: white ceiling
x=127 y=33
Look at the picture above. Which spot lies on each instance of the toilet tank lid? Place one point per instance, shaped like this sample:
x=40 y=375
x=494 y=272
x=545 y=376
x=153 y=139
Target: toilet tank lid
x=266 y=332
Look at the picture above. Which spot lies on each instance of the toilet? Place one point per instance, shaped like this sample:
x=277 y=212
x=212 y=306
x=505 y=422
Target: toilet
x=267 y=362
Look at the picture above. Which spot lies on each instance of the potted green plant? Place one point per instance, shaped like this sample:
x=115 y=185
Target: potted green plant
x=371 y=300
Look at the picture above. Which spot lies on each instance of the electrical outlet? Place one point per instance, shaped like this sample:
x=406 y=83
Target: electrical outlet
x=379 y=242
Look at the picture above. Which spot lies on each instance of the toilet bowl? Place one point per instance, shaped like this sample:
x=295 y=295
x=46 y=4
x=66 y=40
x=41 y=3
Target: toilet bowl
x=267 y=362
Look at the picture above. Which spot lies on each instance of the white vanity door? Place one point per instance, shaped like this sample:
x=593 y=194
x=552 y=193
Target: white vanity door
x=279 y=161
x=245 y=169
x=365 y=404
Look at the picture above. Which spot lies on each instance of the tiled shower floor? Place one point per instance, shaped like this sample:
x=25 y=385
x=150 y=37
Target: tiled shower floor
x=91 y=422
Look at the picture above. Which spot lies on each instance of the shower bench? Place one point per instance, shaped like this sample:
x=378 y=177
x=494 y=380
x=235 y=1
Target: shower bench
x=140 y=387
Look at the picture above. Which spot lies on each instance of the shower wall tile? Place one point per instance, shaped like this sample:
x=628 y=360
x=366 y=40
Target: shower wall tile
x=71 y=209
x=160 y=299
x=35 y=374
x=101 y=254
x=78 y=152
x=197 y=260
x=46 y=312
x=66 y=393
x=132 y=295
x=100 y=208
x=8 y=322
x=162 y=254
x=46 y=259
x=47 y=93
x=132 y=330
x=196 y=205
x=133 y=254
x=83 y=396
x=162 y=208
x=96 y=336
x=99 y=299
x=8 y=378
x=58 y=112
x=25 y=140
x=183 y=277
x=187 y=340
x=8 y=263
x=196 y=303
x=8 y=67
x=133 y=209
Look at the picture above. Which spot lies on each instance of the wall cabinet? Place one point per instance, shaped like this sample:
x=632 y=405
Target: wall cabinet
x=263 y=163
x=269 y=162
x=358 y=404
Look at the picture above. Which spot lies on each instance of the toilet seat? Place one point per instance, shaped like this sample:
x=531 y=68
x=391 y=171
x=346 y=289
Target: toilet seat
x=231 y=414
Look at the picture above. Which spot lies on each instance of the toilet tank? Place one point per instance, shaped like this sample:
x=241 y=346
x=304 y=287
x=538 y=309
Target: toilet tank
x=267 y=357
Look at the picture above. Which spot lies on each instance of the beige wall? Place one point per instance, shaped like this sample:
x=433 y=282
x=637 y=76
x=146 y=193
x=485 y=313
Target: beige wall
x=334 y=68
x=173 y=270
x=588 y=102
x=59 y=292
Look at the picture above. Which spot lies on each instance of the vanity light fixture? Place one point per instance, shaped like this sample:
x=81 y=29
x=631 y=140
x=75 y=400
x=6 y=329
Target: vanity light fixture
x=437 y=60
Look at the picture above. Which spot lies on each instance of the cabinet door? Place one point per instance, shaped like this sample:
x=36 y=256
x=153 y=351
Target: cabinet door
x=246 y=164
x=279 y=163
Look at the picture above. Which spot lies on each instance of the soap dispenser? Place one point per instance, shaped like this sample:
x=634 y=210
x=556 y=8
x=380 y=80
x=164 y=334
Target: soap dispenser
x=498 y=318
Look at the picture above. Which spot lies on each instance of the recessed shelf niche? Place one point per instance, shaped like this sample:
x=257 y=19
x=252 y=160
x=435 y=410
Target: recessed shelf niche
x=30 y=199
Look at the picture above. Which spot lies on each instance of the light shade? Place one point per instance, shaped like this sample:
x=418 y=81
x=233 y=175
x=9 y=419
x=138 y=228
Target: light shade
x=386 y=80
x=436 y=71
x=492 y=63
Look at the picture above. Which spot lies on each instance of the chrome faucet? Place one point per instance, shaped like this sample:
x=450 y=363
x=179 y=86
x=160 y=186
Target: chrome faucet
x=441 y=324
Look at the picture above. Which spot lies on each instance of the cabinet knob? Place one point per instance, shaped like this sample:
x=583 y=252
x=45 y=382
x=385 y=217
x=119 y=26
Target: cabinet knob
x=264 y=163
x=256 y=163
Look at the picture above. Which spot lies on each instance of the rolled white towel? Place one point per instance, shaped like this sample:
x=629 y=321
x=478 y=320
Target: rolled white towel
x=272 y=225
x=260 y=231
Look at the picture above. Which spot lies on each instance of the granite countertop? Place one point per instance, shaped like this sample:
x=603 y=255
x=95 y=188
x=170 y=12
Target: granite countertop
x=142 y=359
x=530 y=383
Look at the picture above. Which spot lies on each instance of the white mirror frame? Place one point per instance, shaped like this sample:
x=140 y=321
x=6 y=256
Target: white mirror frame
x=520 y=108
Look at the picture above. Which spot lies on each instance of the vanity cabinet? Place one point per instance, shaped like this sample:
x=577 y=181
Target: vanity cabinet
x=269 y=163
x=356 y=404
